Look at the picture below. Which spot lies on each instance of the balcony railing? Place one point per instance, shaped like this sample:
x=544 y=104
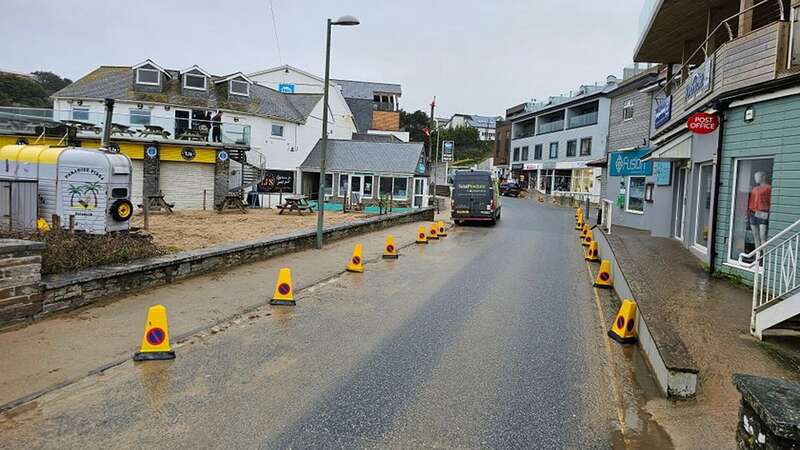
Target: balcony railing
x=384 y=106
x=582 y=120
x=89 y=124
x=550 y=127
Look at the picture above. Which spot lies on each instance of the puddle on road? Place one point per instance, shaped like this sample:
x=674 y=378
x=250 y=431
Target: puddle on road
x=641 y=431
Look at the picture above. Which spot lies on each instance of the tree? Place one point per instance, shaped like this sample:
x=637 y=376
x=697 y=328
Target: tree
x=468 y=146
x=414 y=123
x=51 y=82
x=17 y=90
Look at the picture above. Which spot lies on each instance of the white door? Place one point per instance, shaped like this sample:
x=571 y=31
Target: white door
x=420 y=192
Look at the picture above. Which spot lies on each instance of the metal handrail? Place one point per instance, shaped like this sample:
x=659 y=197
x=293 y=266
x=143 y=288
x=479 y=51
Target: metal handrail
x=605 y=220
x=754 y=254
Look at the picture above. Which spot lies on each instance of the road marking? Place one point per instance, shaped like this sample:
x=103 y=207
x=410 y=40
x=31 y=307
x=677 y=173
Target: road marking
x=620 y=403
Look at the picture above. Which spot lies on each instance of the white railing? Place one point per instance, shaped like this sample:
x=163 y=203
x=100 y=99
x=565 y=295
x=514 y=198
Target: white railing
x=775 y=263
x=607 y=211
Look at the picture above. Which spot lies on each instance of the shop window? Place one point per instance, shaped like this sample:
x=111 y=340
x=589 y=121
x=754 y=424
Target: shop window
x=537 y=151
x=368 y=186
x=553 y=150
x=582 y=180
x=635 y=201
x=752 y=201
x=702 y=227
x=572 y=148
x=400 y=189
x=525 y=153
x=344 y=180
x=586 y=146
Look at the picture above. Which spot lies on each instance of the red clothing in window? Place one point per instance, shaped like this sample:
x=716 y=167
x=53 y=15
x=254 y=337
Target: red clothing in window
x=760 y=198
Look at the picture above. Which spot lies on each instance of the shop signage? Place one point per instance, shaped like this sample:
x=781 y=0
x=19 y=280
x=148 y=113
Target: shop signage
x=447 y=150
x=286 y=88
x=277 y=181
x=663 y=110
x=532 y=166
x=703 y=123
x=629 y=163
x=516 y=167
x=663 y=171
x=700 y=81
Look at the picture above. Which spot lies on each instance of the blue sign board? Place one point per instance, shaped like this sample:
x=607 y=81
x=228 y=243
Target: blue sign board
x=286 y=88
x=625 y=164
x=663 y=170
x=663 y=110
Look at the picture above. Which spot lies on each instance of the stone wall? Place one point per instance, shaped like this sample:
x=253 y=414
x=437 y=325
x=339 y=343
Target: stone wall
x=20 y=275
x=68 y=291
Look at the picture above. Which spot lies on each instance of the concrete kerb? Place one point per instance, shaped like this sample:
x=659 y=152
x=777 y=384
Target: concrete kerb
x=183 y=337
x=678 y=382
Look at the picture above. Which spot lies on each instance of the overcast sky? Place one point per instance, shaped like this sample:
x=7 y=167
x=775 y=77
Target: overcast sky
x=474 y=56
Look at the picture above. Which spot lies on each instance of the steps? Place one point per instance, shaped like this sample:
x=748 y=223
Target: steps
x=782 y=314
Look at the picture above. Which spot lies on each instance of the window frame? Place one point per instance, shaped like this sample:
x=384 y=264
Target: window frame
x=195 y=88
x=148 y=83
x=515 y=154
x=628 y=194
x=329 y=186
x=550 y=148
x=231 y=83
x=580 y=148
x=140 y=113
x=574 y=152
x=627 y=108
x=733 y=190
x=537 y=152
x=272 y=130
x=394 y=186
x=80 y=110
x=524 y=153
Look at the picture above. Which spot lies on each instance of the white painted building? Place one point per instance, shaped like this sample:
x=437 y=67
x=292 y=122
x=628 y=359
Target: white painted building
x=485 y=125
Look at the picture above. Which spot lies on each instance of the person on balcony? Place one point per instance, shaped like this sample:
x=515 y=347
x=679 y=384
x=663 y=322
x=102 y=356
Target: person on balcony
x=216 y=127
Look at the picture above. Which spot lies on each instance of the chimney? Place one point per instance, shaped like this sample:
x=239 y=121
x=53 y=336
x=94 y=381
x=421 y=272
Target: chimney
x=105 y=143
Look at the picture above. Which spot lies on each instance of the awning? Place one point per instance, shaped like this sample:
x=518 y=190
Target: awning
x=601 y=162
x=680 y=148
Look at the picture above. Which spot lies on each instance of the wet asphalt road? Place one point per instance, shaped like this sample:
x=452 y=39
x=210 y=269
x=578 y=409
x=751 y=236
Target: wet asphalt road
x=486 y=339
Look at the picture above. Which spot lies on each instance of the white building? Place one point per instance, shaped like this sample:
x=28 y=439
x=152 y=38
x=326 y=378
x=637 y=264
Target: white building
x=551 y=146
x=485 y=125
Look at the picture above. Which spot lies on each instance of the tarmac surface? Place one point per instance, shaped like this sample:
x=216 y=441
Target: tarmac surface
x=489 y=338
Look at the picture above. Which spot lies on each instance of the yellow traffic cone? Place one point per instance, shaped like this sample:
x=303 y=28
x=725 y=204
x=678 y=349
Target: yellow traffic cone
x=578 y=211
x=284 y=293
x=356 y=263
x=442 y=229
x=603 y=279
x=422 y=236
x=390 y=248
x=579 y=223
x=432 y=233
x=592 y=254
x=584 y=230
x=588 y=239
x=623 y=330
x=155 y=343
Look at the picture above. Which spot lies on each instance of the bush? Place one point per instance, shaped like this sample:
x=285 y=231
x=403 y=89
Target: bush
x=70 y=252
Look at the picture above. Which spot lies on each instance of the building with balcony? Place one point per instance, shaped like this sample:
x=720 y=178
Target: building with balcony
x=375 y=106
x=551 y=144
x=484 y=124
x=736 y=187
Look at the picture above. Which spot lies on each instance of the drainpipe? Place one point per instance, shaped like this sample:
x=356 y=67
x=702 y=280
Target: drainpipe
x=105 y=143
x=712 y=239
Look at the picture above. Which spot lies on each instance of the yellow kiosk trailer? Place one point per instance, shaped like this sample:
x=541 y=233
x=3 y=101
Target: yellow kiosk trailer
x=91 y=185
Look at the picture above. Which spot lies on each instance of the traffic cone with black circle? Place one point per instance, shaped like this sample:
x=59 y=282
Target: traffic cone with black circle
x=603 y=279
x=588 y=239
x=422 y=235
x=442 y=228
x=356 y=263
x=584 y=230
x=623 y=330
x=432 y=232
x=579 y=222
x=592 y=254
x=390 y=248
x=284 y=293
x=155 y=343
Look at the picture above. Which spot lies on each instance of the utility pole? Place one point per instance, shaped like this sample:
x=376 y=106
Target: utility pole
x=433 y=152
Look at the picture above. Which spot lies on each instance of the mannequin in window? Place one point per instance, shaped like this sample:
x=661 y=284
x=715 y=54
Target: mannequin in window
x=758 y=208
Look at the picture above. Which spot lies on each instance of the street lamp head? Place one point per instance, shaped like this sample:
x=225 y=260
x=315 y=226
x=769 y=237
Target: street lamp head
x=346 y=20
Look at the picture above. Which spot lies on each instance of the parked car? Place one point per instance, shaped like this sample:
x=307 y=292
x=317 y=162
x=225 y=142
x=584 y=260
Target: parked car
x=475 y=197
x=510 y=189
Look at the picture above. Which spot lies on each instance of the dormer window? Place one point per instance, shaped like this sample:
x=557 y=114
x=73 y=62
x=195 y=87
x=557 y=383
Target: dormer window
x=238 y=87
x=194 y=81
x=148 y=76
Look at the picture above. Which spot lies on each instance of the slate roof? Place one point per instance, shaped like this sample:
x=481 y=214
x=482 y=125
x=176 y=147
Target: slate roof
x=364 y=156
x=366 y=89
x=375 y=137
x=362 y=113
x=117 y=82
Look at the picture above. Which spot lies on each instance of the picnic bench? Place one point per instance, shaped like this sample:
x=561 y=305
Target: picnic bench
x=118 y=128
x=83 y=126
x=296 y=203
x=232 y=202
x=157 y=203
x=154 y=130
x=194 y=134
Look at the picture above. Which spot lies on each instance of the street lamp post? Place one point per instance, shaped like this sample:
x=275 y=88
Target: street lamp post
x=341 y=21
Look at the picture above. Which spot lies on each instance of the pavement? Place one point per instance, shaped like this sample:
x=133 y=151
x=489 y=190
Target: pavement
x=711 y=319
x=490 y=338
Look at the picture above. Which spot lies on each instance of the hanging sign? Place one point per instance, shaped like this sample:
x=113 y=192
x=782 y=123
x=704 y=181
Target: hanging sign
x=703 y=123
x=663 y=110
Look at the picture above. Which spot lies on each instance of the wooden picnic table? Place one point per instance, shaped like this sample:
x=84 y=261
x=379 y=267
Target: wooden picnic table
x=154 y=130
x=157 y=203
x=193 y=134
x=118 y=128
x=83 y=126
x=296 y=203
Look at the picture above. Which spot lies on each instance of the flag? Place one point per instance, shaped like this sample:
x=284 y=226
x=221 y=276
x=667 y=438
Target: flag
x=427 y=131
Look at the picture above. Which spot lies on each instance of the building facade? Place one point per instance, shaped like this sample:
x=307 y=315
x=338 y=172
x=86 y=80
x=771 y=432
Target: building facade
x=502 y=148
x=486 y=125
x=375 y=107
x=552 y=145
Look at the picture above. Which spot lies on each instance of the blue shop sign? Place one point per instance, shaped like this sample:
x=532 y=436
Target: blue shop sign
x=663 y=110
x=286 y=88
x=626 y=164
